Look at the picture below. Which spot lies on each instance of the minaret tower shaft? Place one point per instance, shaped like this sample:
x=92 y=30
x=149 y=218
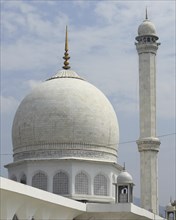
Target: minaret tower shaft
x=148 y=143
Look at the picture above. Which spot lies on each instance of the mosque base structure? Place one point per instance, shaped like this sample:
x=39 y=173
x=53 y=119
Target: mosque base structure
x=90 y=181
x=19 y=201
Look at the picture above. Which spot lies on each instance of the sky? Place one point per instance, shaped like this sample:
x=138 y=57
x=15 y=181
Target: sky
x=101 y=45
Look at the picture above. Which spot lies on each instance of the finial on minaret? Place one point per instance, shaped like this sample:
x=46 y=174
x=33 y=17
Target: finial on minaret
x=66 y=54
x=146 y=14
x=171 y=199
x=124 y=166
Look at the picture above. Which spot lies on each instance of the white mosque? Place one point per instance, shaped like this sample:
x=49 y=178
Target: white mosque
x=65 y=147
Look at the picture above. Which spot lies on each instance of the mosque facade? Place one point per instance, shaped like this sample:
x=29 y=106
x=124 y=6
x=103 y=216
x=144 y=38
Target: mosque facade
x=65 y=148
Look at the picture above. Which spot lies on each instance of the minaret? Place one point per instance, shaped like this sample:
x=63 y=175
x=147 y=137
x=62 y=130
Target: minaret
x=148 y=143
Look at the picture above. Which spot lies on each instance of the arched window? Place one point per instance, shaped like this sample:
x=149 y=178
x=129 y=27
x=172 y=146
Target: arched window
x=100 y=185
x=171 y=216
x=148 y=39
x=153 y=39
x=123 y=194
x=23 y=179
x=124 y=191
x=39 y=181
x=15 y=217
x=81 y=184
x=60 y=183
x=144 y=39
x=13 y=177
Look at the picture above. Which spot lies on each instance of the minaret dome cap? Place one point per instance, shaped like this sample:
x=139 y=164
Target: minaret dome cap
x=147 y=28
x=124 y=178
x=170 y=208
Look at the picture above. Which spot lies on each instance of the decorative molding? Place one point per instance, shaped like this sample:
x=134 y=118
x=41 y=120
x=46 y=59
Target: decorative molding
x=147 y=48
x=66 y=146
x=148 y=144
x=53 y=154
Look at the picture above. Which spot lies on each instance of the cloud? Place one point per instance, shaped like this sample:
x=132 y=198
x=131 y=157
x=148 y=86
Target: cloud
x=8 y=104
x=107 y=10
x=26 y=55
x=26 y=18
x=82 y=4
x=33 y=83
x=166 y=105
x=108 y=48
x=29 y=38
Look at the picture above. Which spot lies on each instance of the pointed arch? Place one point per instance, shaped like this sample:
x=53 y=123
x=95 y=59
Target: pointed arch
x=61 y=183
x=100 y=185
x=82 y=183
x=39 y=180
x=23 y=179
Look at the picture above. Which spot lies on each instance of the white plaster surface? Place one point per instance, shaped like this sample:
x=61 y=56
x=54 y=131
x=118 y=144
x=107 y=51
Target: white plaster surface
x=64 y=118
x=147 y=91
x=72 y=167
x=27 y=202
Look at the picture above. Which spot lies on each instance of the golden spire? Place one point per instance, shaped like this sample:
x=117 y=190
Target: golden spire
x=146 y=14
x=66 y=54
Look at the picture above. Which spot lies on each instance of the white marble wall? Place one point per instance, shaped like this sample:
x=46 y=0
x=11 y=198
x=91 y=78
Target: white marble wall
x=72 y=168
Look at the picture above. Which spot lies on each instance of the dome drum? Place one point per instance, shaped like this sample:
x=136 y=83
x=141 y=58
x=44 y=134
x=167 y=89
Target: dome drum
x=68 y=151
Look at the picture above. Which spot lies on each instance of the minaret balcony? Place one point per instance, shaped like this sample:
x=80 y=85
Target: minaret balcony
x=151 y=144
x=147 y=47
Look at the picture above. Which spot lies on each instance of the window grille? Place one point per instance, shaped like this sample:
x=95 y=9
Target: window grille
x=23 y=179
x=81 y=183
x=100 y=185
x=60 y=183
x=14 y=178
x=39 y=181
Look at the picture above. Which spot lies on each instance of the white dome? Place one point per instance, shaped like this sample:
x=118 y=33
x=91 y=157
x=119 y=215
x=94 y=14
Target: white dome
x=147 y=28
x=65 y=117
x=124 y=178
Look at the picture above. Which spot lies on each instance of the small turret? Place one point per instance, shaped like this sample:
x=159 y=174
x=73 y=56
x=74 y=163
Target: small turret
x=171 y=210
x=124 y=192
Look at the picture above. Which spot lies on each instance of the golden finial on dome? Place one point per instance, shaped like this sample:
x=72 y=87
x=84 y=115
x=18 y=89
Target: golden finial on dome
x=146 y=14
x=66 y=54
